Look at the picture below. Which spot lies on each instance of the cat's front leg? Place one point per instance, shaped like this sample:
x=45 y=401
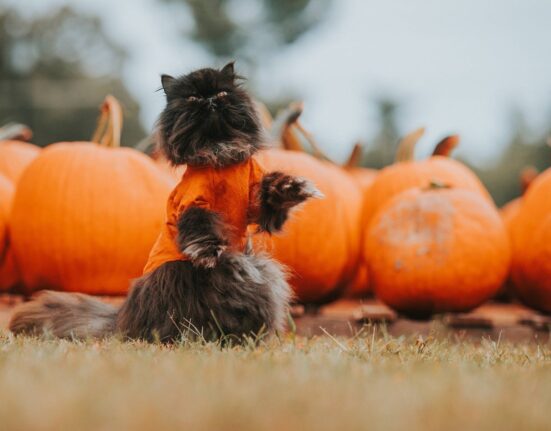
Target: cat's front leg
x=201 y=236
x=279 y=193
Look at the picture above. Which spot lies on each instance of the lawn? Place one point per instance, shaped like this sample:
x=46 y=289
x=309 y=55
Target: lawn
x=372 y=381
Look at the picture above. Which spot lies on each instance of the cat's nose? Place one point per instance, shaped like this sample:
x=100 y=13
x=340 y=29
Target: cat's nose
x=212 y=103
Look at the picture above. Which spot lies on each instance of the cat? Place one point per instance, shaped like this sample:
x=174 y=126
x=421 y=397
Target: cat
x=202 y=278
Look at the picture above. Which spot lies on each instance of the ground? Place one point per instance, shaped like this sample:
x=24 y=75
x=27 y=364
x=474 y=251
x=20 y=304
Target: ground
x=372 y=381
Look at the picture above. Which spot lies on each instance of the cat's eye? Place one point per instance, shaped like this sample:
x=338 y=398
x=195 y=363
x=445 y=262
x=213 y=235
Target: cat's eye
x=192 y=98
x=222 y=94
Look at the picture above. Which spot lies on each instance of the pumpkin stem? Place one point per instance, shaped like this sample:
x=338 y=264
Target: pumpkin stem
x=15 y=131
x=406 y=148
x=527 y=176
x=291 y=125
x=109 y=128
x=446 y=146
x=355 y=157
x=437 y=184
x=283 y=129
x=318 y=152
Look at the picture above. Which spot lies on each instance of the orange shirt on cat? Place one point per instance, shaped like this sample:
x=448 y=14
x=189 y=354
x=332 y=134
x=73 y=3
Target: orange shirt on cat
x=229 y=191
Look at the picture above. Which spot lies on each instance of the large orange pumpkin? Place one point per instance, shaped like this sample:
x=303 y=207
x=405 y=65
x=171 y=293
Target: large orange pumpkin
x=436 y=250
x=85 y=214
x=406 y=173
x=319 y=243
x=531 y=234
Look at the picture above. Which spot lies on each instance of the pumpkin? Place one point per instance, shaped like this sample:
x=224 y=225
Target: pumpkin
x=8 y=273
x=319 y=243
x=531 y=268
x=174 y=172
x=406 y=173
x=364 y=177
x=435 y=250
x=510 y=210
x=85 y=214
x=15 y=157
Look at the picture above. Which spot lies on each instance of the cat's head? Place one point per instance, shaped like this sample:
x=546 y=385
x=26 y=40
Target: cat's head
x=209 y=119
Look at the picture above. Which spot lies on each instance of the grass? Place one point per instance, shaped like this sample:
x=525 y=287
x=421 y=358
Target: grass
x=372 y=381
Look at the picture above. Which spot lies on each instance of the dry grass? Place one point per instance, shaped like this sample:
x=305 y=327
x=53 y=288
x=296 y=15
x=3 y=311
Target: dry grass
x=371 y=382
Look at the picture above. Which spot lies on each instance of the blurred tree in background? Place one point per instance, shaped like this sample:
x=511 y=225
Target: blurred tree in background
x=525 y=148
x=56 y=68
x=54 y=73
x=382 y=147
x=250 y=30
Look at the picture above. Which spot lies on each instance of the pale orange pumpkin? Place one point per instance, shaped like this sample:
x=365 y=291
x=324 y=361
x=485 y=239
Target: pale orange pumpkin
x=85 y=214
x=15 y=156
x=436 y=250
x=406 y=173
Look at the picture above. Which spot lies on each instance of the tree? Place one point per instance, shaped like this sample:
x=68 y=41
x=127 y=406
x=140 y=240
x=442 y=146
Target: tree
x=54 y=72
x=383 y=148
x=250 y=29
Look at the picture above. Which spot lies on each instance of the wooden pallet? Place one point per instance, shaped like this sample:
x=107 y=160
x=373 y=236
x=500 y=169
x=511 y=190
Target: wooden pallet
x=506 y=321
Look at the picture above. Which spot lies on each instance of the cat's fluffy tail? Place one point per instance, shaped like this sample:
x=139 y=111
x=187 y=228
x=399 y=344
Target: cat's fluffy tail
x=65 y=315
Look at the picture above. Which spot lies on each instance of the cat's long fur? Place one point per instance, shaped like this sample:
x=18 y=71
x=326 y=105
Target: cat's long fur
x=209 y=120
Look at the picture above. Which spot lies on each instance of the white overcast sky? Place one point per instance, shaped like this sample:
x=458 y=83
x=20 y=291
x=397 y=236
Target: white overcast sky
x=458 y=66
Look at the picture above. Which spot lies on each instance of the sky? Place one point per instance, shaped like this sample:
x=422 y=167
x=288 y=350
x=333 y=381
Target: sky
x=457 y=66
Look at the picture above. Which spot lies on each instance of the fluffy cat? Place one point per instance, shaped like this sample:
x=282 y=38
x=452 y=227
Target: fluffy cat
x=202 y=277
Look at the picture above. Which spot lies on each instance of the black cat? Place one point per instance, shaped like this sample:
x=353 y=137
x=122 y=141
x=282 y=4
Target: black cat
x=202 y=277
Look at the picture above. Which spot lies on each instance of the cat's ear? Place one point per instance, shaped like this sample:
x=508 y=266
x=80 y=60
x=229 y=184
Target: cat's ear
x=228 y=70
x=167 y=82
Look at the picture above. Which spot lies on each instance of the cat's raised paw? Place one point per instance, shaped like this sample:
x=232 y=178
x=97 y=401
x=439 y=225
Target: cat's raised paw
x=285 y=191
